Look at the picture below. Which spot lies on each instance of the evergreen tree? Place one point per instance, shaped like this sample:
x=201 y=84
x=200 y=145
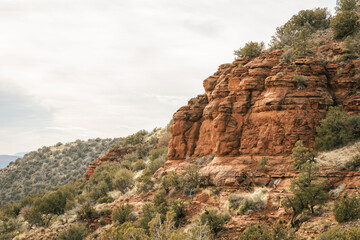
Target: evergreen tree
x=307 y=191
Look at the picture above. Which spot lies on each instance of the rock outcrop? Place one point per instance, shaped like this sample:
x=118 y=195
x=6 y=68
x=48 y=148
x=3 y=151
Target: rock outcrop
x=256 y=107
x=114 y=155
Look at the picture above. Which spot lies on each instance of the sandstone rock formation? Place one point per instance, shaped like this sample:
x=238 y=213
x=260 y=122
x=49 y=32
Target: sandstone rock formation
x=114 y=155
x=255 y=107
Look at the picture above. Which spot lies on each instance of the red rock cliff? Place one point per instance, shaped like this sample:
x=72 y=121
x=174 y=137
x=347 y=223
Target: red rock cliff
x=255 y=107
x=114 y=155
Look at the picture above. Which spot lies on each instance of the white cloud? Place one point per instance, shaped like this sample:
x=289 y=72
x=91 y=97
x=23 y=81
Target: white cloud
x=108 y=68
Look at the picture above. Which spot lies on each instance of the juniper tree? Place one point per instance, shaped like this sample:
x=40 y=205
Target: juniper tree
x=307 y=191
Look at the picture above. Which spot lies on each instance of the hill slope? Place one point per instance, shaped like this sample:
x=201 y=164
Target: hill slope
x=6 y=159
x=48 y=167
x=235 y=168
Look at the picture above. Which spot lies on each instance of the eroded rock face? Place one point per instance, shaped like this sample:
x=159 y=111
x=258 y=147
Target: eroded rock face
x=114 y=155
x=256 y=108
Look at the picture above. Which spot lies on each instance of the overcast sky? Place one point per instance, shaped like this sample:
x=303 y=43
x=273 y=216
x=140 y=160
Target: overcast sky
x=79 y=69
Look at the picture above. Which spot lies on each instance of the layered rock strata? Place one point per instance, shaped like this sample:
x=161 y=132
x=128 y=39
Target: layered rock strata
x=257 y=107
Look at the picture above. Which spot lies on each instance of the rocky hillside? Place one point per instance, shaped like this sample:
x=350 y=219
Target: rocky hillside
x=48 y=167
x=270 y=151
x=255 y=107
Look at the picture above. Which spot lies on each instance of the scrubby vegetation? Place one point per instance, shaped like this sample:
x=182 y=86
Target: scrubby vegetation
x=301 y=155
x=42 y=208
x=251 y=49
x=278 y=231
x=337 y=129
x=246 y=203
x=297 y=31
x=347 y=208
x=76 y=232
x=136 y=199
x=214 y=219
x=345 y=22
x=307 y=191
x=340 y=233
x=300 y=81
x=48 y=167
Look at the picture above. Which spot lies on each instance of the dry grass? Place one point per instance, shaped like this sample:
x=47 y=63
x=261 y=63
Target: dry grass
x=246 y=203
x=339 y=157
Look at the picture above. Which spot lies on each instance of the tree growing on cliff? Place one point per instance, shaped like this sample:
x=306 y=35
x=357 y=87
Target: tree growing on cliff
x=344 y=24
x=346 y=5
x=307 y=191
x=251 y=49
x=337 y=129
x=299 y=26
x=346 y=21
x=301 y=154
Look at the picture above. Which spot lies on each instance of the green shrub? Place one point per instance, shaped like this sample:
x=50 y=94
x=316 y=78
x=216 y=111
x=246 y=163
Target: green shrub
x=337 y=129
x=354 y=164
x=192 y=178
x=86 y=212
x=339 y=233
x=297 y=30
x=75 y=232
x=105 y=199
x=123 y=180
x=104 y=173
x=134 y=139
x=300 y=81
x=33 y=216
x=316 y=19
x=122 y=214
x=302 y=41
x=256 y=232
x=198 y=230
x=307 y=191
x=8 y=229
x=126 y=164
x=177 y=206
x=145 y=182
x=139 y=165
x=344 y=24
x=251 y=49
x=162 y=228
x=301 y=155
x=10 y=210
x=148 y=213
x=347 y=208
x=346 y=5
x=278 y=231
x=351 y=47
x=98 y=191
x=214 y=219
x=154 y=165
x=159 y=153
x=131 y=157
x=125 y=231
x=160 y=203
x=104 y=212
x=171 y=180
x=288 y=55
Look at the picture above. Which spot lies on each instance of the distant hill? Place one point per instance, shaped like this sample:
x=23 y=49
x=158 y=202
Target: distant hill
x=48 y=167
x=20 y=154
x=6 y=159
